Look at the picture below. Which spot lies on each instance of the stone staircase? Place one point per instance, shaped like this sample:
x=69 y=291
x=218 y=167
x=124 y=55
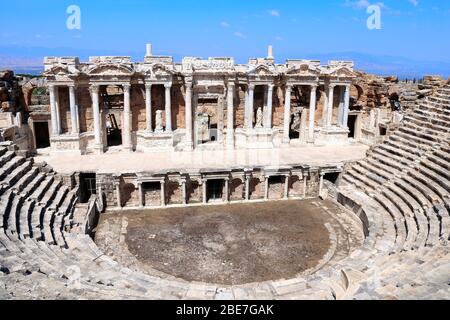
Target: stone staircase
x=408 y=179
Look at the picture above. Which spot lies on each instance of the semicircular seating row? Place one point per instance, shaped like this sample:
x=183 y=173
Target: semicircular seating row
x=402 y=189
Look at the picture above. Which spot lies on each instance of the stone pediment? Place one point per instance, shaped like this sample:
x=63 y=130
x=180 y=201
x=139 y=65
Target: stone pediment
x=303 y=70
x=262 y=70
x=62 y=71
x=110 y=70
x=159 y=70
x=342 y=72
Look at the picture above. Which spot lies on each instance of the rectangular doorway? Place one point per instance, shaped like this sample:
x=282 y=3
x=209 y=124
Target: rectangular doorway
x=152 y=194
x=88 y=186
x=207 y=121
x=214 y=190
x=41 y=135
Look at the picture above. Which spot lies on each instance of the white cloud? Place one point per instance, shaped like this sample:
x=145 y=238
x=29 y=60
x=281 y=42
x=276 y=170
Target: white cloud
x=225 y=24
x=278 y=38
x=415 y=3
x=274 y=13
x=240 y=35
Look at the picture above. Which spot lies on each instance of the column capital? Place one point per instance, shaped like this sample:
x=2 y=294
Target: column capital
x=189 y=84
x=314 y=86
x=231 y=84
x=289 y=87
x=251 y=86
x=148 y=85
x=126 y=87
x=270 y=86
x=168 y=85
x=94 y=88
x=332 y=85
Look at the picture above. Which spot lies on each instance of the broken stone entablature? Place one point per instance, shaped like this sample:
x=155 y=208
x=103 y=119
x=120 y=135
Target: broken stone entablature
x=128 y=189
x=228 y=94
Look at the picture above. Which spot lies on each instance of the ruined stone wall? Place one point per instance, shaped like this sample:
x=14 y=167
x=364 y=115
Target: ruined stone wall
x=295 y=186
x=278 y=107
x=85 y=109
x=257 y=188
x=276 y=189
x=193 y=191
x=152 y=197
x=174 y=193
x=10 y=93
x=137 y=102
x=237 y=191
x=312 y=185
x=106 y=183
x=64 y=109
x=129 y=191
x=240 y=109
x=178 y=107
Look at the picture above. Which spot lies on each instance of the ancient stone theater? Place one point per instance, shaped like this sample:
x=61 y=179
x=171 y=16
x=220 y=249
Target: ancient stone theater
x=210 y=179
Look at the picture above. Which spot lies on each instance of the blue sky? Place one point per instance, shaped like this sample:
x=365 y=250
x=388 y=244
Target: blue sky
x=416 y=29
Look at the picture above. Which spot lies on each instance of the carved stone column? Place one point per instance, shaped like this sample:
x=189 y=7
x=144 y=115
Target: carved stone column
x=204 y=193
x=148 y=107
x=168 y=107
x=58 y=111
x=266 y=188
x=227 y=190
x=322 y=174
x=73 y=110
x=286 y=187
x=251 y=98
x=287 y=114
x=325 y=106
x=247 y=186
x=305 y=185
x=188 y=117
x=163 y=193
x=126 y=126
x=346 y=106
x=118 y=195
x=340 y=120
x=53 y=114
x=230 y=115
x=96 y=114
x=312 y=113
x=269 y=113
x=246 y=116
x=141 y=195
x=330 y=105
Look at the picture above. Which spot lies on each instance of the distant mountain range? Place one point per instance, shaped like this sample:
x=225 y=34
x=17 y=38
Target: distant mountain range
x=30 y=60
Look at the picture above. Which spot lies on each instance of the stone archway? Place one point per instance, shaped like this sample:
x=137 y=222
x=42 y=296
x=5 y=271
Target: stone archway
x=29 y=88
